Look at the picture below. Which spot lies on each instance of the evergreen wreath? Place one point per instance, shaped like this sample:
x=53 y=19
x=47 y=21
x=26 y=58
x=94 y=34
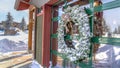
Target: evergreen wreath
x=74 y=33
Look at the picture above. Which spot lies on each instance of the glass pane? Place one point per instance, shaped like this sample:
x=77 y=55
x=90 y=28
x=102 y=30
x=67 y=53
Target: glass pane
x=108 y=56
x=58 y=11
x=111 y=23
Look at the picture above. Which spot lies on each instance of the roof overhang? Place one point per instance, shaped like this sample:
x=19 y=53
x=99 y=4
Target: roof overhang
x=22 y=4
x=38 y=3
x=25 y=4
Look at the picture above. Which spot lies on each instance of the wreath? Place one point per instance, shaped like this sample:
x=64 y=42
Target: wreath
x=74 y=33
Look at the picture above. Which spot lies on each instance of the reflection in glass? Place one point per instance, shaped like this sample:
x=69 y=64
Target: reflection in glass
x=111 y=22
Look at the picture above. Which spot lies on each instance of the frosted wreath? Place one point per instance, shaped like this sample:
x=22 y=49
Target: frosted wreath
x=75 y=46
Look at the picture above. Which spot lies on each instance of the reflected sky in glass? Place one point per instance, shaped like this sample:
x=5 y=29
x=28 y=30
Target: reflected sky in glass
x=112 y=18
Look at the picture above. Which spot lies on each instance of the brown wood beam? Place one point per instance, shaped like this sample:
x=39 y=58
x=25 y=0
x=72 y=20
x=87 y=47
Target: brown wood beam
x=30 y=28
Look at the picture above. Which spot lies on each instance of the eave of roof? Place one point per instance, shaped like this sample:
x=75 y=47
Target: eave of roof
x=22 y=4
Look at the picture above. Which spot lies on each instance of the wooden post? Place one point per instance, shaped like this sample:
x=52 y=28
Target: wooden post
x=30 y=31
x=46 y=35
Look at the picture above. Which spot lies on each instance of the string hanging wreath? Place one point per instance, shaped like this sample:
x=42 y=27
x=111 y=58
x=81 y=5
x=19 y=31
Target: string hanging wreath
x=74 y=33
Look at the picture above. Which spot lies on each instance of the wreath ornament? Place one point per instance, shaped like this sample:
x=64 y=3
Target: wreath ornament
x=74 y=33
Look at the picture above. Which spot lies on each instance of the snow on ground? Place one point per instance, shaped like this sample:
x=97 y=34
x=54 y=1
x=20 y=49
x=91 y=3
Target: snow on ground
x=16 y=42
x=108 y=56
x=35 y=64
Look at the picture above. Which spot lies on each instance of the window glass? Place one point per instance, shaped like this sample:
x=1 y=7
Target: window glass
x=111 y=22
x=109 y=53
x=59 y=12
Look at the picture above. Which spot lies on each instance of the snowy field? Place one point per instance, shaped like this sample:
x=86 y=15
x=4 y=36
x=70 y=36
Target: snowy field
x=18 y=42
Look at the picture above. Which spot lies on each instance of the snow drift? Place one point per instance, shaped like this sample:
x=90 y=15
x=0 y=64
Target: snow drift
x=7 y=45
x=18 y=42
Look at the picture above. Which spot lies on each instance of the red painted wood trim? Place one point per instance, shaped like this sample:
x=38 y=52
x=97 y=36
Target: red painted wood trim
x=27 y=0
x=23 y=6
x=46 y=35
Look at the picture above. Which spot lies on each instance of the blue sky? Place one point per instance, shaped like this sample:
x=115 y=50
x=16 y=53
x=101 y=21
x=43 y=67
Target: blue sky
x=8 y=6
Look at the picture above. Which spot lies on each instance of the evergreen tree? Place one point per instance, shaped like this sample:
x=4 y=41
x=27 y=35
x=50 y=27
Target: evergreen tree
x=115 y=31
x=9 y=21
x=23 y=25
x=119 y=29
x=8 y=24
